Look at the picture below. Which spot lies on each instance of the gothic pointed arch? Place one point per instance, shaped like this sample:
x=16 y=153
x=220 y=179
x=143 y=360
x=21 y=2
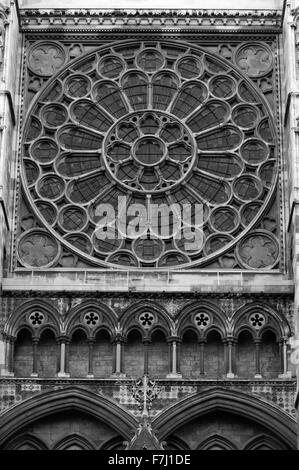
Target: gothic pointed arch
x=74 y=441
x=270 y=416
x=145 y=316
x=263 y=442
x=216 y=442
x=70 y=398
x=202 y=317
x=26 y=442
x=92 y=316
x=36 y=315
x=258 y=317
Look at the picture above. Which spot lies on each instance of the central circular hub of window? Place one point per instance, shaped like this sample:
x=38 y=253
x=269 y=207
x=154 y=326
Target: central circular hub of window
x=149 y=151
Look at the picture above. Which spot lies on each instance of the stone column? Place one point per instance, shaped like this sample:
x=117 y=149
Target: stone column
x=283 y=346
x=63 y=367
x=229 y=345
x=173 y=343
x=7 y=355
x=257 y=342
x=11 y=355
x=35 y=342
x=118 y=342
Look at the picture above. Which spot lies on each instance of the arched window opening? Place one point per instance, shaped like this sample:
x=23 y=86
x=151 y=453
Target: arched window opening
x=134 y=355
x=23 y=354
x=158 y=355
x=245 y=356
x=190 y=355
x=102 y=355
x=78 y=354
x=214 y=355
x=47 y=354
x=270 y=356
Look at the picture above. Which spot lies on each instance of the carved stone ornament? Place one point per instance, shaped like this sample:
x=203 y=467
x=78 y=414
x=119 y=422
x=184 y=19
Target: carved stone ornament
x=46 y=58
x=146 y=320
x=37 y=249
x=257 y=320
x=202 y=320
x=36 y=319
x=91 y=319
x=254 y=59
x=259 y=250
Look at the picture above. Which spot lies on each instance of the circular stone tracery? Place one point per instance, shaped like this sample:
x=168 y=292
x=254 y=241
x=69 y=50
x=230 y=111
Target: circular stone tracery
x=149 y=151
x=158 y=123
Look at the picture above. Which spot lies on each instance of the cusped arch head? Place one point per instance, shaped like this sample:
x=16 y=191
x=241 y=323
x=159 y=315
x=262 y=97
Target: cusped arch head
x=264 y=442
x=26 y=441
x=146 y=317
x=215 y=440
x=74 y=440
x=201 y=317
x=259 y=317
x=74 y=399
x=36 y=316
x=91 y=317
x=270 y=416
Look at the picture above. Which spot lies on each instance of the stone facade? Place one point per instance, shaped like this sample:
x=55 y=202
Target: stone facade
x=107 y=346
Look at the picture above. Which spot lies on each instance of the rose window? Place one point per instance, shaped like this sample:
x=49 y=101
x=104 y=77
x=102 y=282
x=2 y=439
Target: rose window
x=141 y=125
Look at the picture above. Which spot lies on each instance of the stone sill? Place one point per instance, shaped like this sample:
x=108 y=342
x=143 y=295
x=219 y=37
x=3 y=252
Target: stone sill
x=151 y=280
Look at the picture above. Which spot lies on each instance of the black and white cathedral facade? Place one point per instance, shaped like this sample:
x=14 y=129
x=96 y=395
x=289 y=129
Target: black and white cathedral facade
x=145 y=341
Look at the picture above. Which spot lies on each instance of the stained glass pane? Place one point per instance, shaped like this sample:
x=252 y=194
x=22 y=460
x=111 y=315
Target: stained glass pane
x=247 y=188
x=165 y=86
x=226 y=138
x=224 y=166
x=111 y=67
x=34 y=129
x=210 y=115
x=189 y=67
x=109 y=97
x=91 y=116
x=189 y=98
x=213 y=191
x=77 y=139
x=51 y=187
x=44 y=150
x=72 y=218
x=127 y=131
x=135 y=87
x=54 y=115
x=222 y=87
x=88 y=188
x=77 y=86
x=71 y=165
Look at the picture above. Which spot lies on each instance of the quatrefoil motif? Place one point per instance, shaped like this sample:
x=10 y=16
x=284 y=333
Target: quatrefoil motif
x=36 y=319
x=257 y=320
x=146 y=320
x=91 y=319
x=202 y=320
